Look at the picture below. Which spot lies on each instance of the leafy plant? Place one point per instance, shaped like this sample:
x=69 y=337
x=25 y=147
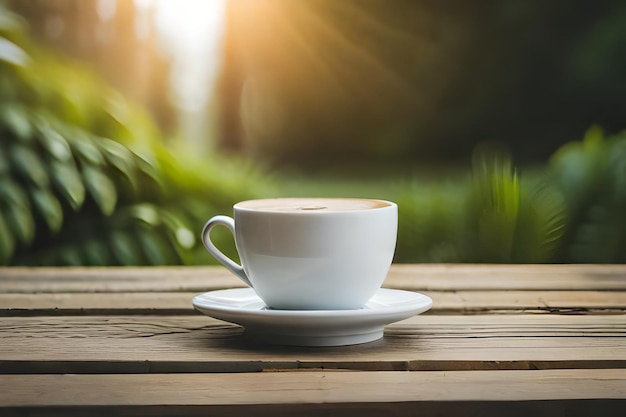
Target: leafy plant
x=495 y=217
x=87 y=179
x=430 y=219
x=511 y=220
x=85 y=176
x=592 y=173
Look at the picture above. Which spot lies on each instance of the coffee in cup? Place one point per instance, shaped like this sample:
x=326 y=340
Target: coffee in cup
x=310 y=253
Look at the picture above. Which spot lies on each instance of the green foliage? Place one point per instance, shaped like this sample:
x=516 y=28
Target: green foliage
x=430 y=219
x=540 y=224
x=92 y=201
x=592 y=173
x=496 y=217
x=492 y=210
x=574 y=211
x=69 y=197
x=85 y=177
x=510 y=220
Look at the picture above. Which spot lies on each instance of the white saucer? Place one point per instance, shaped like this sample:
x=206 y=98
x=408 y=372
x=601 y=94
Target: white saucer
x=311 y=327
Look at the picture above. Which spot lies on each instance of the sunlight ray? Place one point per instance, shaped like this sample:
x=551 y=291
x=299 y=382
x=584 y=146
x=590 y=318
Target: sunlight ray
x=335 y=36
x=315 y=56
x=358 y=14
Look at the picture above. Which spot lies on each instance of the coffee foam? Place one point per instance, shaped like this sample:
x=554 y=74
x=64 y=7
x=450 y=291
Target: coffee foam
x=312 y=205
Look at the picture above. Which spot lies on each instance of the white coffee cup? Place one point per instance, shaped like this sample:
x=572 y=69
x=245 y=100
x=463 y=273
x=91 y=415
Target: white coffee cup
x=310 y=253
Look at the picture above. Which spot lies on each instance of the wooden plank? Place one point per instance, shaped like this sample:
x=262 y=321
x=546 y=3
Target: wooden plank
x=46 y=304
x=200 y=344
x=559 y=302
x=302 y=388
x=458 y=277
x=115 y=279
x=562 y=302
x=422 y=277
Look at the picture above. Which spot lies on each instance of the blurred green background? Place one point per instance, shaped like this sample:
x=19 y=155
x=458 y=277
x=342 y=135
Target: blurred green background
x=497 y=126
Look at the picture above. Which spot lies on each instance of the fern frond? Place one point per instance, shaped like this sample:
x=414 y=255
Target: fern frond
x=492 y=208
x=593 y=174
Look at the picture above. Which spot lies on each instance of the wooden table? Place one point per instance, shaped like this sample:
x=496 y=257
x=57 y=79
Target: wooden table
x=500 y=340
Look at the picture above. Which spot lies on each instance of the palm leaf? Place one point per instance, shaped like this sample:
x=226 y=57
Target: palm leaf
x=86 y=151
x=593 y=175
x=12 y=193
x=125 y=249
x=68 y=183
x=541 y=224
x=154 y=247
x=4 y=163
x=492 y=209
x=7 y=242
x=48 y=207
x=121 y=159
x=101 y=188
x=26 y=162
x=15 y=119
x=54 y=143
x=96 y=253
x=21 y=223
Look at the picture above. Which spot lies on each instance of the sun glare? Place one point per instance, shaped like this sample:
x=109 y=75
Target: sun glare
x=190 y=21
x=190 y=31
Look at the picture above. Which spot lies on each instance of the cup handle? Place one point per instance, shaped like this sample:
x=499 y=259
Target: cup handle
x=231 y=265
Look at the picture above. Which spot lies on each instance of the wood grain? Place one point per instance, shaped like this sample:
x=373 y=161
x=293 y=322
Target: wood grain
x=115 y=279
x=422 y=277
x=169 y=303
x=142 y=344
x=125 y=341
x=310 y=388
x=457 y=277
